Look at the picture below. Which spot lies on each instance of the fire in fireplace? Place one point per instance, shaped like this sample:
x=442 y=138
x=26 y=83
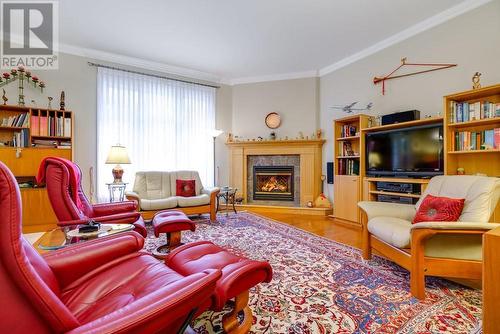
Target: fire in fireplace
x=273 y=183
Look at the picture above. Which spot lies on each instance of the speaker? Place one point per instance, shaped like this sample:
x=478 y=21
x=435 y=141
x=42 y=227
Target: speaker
x=329 y=172
x=400 y=117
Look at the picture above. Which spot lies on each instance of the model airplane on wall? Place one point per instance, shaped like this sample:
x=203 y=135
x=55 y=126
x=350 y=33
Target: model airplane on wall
x=349 y=108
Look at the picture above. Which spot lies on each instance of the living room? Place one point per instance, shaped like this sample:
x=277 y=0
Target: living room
x=250 y=167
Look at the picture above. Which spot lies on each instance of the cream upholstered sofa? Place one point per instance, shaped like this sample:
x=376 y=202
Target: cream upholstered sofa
x=446 y=249
x=155 y=191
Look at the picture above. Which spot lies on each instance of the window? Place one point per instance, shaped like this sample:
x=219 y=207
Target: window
x=164 y=124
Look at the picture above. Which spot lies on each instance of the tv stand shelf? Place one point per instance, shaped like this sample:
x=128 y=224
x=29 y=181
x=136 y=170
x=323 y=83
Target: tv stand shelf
x=377 y=192
x=370 y=191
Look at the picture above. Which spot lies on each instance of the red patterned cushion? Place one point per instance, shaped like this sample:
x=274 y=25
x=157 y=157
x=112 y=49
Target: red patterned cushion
x=185 y=188
x=439 y=209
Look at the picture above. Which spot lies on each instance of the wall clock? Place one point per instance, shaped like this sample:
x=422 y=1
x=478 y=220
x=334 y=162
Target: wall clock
x=273 y=120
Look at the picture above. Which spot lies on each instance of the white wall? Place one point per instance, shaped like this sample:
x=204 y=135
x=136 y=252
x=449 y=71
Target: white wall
x=295 y=100
x=471 y=40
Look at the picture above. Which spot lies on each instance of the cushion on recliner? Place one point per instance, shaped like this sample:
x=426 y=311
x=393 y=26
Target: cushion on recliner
x=185 y=175
x=480 y=192
x=159 y=204
x=393 y=231
x=152 y=185
x=203 y=199
x=135 y=277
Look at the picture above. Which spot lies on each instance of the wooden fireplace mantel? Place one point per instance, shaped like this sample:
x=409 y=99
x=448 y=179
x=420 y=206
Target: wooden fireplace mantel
x=309 y=151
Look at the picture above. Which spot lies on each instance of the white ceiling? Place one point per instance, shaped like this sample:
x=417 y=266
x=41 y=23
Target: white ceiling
x=234 y=39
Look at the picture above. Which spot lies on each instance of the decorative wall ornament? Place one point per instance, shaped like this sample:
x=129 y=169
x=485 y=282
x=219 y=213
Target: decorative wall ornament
x=475 y=81
x=390 y=76
x=273 y=120
x=62 y=101
x=349 y=107
x=21 y=75
x=4 y=98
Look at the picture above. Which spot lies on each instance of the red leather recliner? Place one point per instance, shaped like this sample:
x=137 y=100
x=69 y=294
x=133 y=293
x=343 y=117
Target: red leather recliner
x=102 y=286
x=63 y=180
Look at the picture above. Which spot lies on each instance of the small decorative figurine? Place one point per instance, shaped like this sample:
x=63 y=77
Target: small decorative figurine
x=272 y=135
x=33 y=103
x=310 y=204
x=460 y=171
x=62 y=102
x=4 y=98
x=229 y=137
x=319 y=133
x=49 y=106
x=475 y=81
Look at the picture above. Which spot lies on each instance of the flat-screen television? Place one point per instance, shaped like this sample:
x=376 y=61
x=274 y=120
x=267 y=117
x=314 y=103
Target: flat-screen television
x=412 y=152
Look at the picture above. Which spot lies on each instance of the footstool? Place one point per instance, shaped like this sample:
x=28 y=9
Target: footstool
x=171 y=223
x=239 y=274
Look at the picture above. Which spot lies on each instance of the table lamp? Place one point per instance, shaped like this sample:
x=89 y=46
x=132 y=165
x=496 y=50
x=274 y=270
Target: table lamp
x=118 y=155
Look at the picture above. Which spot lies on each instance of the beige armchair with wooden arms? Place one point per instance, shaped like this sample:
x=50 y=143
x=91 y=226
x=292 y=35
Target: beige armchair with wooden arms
x=445 y=249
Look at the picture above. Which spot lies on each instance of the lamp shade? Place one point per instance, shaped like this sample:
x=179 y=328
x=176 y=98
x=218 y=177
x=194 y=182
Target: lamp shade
x=118 y=155
x=216 y=133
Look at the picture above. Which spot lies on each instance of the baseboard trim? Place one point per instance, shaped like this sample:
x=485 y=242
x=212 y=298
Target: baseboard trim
x=285 y=209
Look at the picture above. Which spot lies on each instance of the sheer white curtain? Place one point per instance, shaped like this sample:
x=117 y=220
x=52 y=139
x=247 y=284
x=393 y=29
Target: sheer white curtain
x=164 y=124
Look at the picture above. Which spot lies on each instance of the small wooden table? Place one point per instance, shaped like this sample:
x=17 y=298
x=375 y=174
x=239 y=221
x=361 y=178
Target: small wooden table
x=65 y=236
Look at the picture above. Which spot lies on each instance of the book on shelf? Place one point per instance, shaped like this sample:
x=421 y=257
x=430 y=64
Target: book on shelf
x=472 y=111
x=476 y=140
x=67 y=127
x=345 y=149
x=348 y=130
x=20 y=121
x=348 y=167
x=35 y=125
x=20 y=139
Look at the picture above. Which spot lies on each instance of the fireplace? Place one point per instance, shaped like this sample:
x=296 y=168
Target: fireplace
x=273 y=183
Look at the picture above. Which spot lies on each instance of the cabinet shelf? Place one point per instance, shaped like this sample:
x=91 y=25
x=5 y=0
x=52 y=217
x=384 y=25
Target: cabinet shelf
x=378 y=192
x=51 y=137
x=348 y=138
x=473 y=151
x=484 y=121
x=13 y=128
x=348 y=157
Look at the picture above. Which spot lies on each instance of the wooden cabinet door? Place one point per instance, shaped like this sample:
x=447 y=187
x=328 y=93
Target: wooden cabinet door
x=346 y=197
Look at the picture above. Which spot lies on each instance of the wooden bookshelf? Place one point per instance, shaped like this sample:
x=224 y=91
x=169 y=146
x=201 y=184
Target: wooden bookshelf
x=24 y=161
x=348 y=185
x=472 y=159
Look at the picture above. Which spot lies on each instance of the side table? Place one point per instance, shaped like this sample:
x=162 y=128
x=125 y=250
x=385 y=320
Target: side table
x=229 y=196
x=114 y=188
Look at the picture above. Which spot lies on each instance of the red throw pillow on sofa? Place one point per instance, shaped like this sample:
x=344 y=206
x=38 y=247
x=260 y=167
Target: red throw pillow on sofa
x=185 y=188
x=439 y=209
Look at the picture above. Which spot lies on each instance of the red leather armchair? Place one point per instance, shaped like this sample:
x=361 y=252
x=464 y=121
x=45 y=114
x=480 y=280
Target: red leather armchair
x=102 y=286
x=63 y=180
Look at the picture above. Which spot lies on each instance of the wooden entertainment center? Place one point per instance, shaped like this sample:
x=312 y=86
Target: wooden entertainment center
x=56 y=127
x=350 y=189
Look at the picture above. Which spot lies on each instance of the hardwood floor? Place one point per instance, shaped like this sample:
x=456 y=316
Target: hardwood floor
x=323 y=226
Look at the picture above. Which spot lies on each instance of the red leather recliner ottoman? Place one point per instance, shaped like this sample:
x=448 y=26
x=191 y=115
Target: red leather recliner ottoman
x=239 y=274
x=172 y=223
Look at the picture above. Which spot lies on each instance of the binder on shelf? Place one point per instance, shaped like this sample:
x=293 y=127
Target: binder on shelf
x=67 y=127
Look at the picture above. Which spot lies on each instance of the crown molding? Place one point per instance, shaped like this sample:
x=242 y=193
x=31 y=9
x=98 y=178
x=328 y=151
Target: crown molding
x=272 y=77
x=138 y=62
x=418 y=28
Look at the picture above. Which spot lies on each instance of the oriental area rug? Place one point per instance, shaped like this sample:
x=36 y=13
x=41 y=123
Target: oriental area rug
x=321 y=286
